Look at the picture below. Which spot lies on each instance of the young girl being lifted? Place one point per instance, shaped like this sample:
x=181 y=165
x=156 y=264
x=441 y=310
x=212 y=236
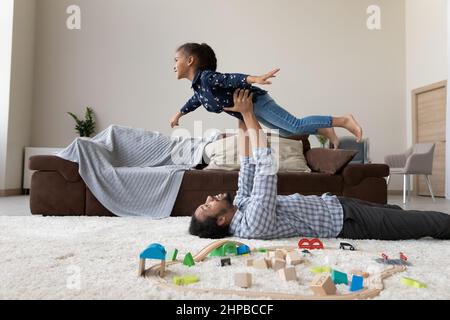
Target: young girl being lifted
x=214 y=90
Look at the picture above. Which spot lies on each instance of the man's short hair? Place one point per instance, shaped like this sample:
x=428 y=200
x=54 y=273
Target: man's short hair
x=208 y=228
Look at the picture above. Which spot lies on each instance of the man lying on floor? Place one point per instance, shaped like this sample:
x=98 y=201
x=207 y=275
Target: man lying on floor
x=257 y=212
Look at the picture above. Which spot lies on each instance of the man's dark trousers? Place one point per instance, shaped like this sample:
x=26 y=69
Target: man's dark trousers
x=366 y=220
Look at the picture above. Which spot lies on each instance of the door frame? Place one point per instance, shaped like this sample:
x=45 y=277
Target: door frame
x=414 y=94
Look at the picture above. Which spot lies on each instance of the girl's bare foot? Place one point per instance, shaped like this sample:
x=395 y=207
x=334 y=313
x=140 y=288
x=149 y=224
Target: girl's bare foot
x=331 y=135
x=353 y=126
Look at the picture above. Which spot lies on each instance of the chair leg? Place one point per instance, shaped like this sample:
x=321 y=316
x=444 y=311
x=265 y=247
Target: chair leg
x=429 y=188
x=404 y=188
x=408 y=185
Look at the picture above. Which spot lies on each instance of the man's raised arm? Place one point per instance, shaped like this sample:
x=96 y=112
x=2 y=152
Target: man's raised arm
x=247 y=171
x=260 y=214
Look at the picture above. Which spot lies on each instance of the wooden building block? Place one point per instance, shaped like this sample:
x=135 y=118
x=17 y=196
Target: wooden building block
x=243 y=280
x=280 y=254
x=249 y=263
x=278 y=264
x=286 y=251
x=188 y=260
x=184 y=280
x=288 y=274
x=162 y=268
x=339 y=277
x=277 y=254
x=322 y=285
x=260 y=264
x=173 y=255
x=141 y=272
x=293 y=258
x=357 y=283
x=320 y=269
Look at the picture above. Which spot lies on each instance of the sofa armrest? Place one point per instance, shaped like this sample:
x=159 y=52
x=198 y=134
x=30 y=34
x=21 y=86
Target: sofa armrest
x=353 y=174
x=68 y=169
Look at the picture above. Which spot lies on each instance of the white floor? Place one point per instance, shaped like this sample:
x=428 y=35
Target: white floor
x=97 y=258
x=19 y=205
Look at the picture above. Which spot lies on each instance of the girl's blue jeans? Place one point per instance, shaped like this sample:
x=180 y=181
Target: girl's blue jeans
x=271 y=115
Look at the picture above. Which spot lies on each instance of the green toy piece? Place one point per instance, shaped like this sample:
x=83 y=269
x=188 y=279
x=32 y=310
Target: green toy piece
x=320 y=269
x=261 y=250
x=412 y=283
x=217 y=252
x=230 y=248
x=188 y=260
x=339 y=277
x=184 y=280
x=173 y=255
x=227 y=248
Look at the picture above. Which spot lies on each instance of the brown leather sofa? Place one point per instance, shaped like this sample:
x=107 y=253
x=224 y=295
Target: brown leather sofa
x=58 y=189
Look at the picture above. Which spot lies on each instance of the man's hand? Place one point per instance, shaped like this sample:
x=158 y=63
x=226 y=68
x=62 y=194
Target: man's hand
x=243 y=102
x=262 y=79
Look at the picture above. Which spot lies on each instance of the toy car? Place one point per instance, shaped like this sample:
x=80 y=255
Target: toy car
x=346 y=245
x=311 y=244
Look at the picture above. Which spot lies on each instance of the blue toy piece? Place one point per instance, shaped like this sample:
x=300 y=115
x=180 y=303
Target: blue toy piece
x=339 y=277
x=243 y=249
x=154 y=251
x=357 y=283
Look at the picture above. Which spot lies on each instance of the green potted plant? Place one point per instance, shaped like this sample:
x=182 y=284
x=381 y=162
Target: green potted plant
x=86 y=127
x=322 y=139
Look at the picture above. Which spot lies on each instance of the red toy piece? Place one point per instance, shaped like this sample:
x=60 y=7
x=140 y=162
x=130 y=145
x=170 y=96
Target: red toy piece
x=311 y=244
x=384 y=256
x=403 y=257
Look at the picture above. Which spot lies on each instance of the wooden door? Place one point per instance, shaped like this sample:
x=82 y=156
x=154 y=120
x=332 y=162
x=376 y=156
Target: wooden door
x=429 y=105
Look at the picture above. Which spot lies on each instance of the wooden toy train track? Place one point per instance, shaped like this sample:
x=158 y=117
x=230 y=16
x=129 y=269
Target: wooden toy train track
x=373 y=288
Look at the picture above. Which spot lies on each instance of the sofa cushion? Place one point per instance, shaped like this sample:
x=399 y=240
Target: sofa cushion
x=223 y=154
x=329 y=160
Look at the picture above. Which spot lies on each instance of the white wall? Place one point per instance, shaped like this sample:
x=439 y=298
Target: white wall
x=447 y=149
x=120 y=62
x=6 y=27
x=426 y=49
x=21 y=95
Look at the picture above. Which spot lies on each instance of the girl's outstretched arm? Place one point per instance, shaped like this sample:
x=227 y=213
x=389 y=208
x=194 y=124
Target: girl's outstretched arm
x=264 y=78
x=236 y=80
